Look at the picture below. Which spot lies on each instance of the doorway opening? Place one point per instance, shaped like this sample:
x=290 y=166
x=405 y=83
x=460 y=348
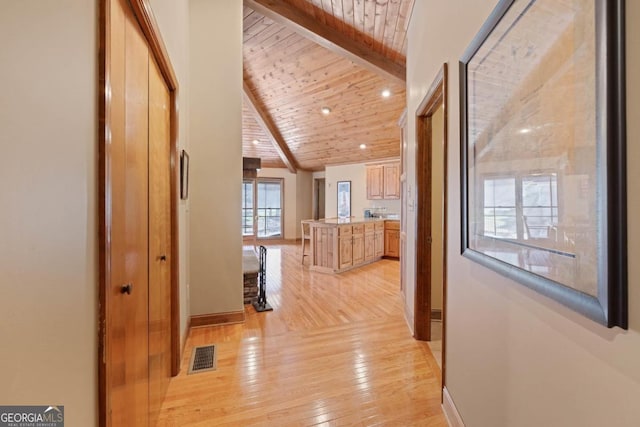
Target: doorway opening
x=262 y=208
x=431 y=236
x=318 y=198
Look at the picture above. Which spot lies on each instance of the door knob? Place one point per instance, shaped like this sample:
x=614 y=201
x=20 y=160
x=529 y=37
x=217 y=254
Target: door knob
x=126 y=289
x=163 y=257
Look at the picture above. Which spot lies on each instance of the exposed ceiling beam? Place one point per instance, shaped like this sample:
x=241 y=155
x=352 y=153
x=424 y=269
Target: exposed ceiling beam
x=267 y=125
x=305 y=25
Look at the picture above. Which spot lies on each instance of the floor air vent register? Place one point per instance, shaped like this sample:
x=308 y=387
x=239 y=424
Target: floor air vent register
x=203 y=359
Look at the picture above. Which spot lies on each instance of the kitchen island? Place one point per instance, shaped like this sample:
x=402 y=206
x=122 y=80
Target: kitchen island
x=340 y=244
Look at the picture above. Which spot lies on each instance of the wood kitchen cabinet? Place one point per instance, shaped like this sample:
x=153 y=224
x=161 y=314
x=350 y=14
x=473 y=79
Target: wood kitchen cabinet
x=391 y=177
x=375 y=182
x=369 y=242
x=358 y=244
x=379 y=239
x=352 y=245
x=345 y=243
x=342 y=244
x=392 y=239
x=383 y=181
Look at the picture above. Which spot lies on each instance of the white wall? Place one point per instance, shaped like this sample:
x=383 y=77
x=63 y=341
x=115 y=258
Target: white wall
x=215 y=141
x=357 y=174
x=514 y=357
x=304 y=198
x=173 y=20
x=48 y=220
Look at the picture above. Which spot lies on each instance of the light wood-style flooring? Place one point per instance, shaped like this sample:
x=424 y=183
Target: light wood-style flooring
x=335 y=351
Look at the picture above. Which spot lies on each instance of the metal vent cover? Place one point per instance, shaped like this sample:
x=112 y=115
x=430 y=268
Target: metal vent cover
x=203 y=358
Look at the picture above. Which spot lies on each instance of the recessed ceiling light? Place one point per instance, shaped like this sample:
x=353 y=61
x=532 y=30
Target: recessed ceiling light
x=363 y=146
x=325 y=110
x=524 y=130
x=256 y=142
x=386 y=93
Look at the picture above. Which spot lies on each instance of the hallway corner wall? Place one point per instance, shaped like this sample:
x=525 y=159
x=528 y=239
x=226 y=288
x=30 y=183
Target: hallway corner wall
x=48 y=220
x=215 y=141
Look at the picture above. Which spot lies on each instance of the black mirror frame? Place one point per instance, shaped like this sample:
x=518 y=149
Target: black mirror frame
x=610 y=306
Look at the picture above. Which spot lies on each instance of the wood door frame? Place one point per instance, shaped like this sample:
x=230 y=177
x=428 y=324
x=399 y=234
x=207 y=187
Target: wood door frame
x=436 y=96
x=402 y=124
x=157 y=49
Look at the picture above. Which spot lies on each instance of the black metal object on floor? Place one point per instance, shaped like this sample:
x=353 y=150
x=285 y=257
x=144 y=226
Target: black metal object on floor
x=261 y=304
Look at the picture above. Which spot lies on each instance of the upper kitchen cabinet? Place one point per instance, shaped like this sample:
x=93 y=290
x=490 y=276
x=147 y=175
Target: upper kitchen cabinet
x=392 y=180
x=375 y=182
x=383 y=181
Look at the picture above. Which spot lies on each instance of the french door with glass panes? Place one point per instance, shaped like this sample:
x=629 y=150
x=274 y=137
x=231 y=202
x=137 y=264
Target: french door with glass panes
x=262 y=208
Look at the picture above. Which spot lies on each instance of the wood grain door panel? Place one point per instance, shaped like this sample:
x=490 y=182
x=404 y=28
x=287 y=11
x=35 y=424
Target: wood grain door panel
x=127 y=332
x=358 y=249
x=346 y=251
x=392 y=181
x=138 y=343
x=159 y=241
x=392 y=243
x=375 y=182
x=379 y=243
x=369 y=245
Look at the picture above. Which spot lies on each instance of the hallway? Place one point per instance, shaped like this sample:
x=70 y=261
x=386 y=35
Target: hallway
x=336 y=350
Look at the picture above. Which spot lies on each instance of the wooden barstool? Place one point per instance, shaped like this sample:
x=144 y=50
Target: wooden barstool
x=306 y=235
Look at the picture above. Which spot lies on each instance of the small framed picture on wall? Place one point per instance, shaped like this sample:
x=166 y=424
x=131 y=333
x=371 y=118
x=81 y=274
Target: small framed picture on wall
x=344 y=199
x=184 y=175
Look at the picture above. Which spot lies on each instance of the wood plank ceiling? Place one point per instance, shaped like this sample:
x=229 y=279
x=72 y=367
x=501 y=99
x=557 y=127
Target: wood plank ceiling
x=309 y=54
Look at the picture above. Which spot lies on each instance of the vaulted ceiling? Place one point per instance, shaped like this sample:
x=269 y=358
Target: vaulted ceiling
x=303 y=55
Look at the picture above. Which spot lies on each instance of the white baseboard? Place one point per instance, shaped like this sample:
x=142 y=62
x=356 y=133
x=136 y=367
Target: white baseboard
x=450 y=411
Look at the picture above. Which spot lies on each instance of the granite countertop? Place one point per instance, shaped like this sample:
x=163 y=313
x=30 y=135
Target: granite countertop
x=352 y=220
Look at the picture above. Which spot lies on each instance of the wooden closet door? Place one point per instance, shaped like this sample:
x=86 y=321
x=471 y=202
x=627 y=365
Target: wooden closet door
x=159 y=241
x=127 y=314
